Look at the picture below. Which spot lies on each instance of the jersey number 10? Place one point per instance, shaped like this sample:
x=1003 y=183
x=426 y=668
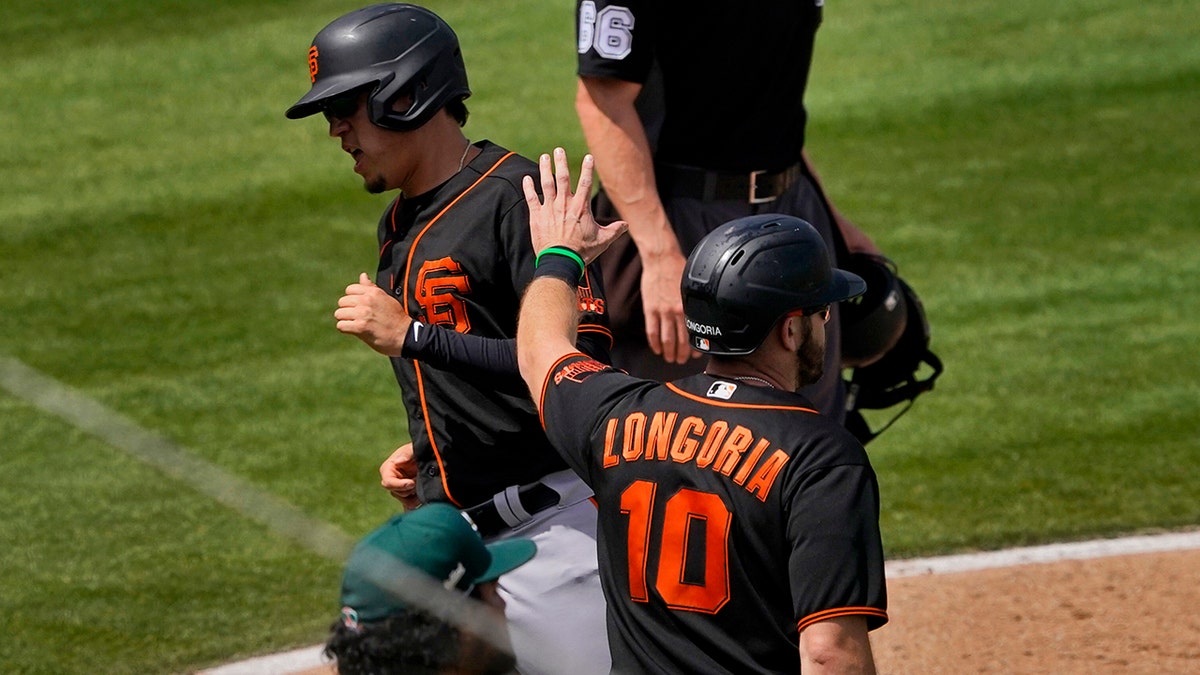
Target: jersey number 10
x=684 y=510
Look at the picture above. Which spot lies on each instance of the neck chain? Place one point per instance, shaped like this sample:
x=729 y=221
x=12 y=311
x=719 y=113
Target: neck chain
x=463 y=160
x=746 y=378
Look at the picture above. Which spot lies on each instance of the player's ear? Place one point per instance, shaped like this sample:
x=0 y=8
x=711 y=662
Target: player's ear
x=788 y=332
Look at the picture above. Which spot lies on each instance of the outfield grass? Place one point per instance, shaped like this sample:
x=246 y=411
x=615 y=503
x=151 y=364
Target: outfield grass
x=173 y=248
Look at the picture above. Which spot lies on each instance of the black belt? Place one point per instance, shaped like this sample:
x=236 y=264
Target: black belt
x=754 y=187
x=533 y=498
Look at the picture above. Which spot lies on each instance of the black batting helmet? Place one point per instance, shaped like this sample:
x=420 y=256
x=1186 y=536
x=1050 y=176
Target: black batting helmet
x=746 y=274
x=400 y=49
x=872 y=323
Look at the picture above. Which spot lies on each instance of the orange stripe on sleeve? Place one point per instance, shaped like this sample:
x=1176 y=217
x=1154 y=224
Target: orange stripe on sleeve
x=840 y=611
x=597 y=328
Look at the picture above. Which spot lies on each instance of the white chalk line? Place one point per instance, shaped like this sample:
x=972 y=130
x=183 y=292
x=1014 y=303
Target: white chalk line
x=53 y=397
x=87 y=414
x=311 y=657
x=1049 y=553
x=281 y=517
x=282 y=663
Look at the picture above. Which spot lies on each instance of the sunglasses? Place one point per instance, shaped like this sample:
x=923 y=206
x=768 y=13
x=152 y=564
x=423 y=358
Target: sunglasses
x=821 y=311
x=341 y=106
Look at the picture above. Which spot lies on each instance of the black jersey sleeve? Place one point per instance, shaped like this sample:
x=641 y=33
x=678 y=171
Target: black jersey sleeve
x=452 y=351
x=836 y=559
x=579 y=392
x=456 y=352
x=615 y=38
x=594 y=336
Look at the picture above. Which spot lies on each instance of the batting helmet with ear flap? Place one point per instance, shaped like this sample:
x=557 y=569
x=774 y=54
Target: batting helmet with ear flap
x=746 y=274
x=396 y=50
x=872 y=323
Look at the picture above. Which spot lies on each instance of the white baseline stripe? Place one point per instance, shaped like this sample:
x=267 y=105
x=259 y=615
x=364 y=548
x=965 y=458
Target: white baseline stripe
x=305 y=659
x=55 y=398
x=280 y=516
x=275 y=664
x=1083 y=550
x=89 y=415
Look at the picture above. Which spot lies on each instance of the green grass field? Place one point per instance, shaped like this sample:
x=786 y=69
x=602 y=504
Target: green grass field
x=173 y=248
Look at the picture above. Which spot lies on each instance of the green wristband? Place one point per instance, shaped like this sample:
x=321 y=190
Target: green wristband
x=564 y=252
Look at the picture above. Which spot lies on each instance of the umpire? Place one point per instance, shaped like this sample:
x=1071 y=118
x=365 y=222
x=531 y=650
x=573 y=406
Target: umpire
x=738 y=527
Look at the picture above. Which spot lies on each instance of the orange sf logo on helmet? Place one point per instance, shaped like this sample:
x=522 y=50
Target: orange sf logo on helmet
x=312 y=63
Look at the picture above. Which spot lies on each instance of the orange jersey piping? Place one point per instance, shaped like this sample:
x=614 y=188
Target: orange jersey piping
x=597 y=328
x=840 y=611
x=437 y=454
x=750 y=406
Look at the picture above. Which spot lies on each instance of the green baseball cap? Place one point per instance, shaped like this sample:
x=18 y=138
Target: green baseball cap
x=435 y=540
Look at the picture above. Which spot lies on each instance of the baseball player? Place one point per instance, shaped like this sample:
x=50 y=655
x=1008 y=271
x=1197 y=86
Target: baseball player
x=454 y=255
x=738 y=527
x=433 y=555
x=695 y=114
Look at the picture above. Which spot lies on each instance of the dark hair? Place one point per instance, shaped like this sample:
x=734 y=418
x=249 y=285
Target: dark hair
x=456 y=107
x=410 y=642
x=458 y=110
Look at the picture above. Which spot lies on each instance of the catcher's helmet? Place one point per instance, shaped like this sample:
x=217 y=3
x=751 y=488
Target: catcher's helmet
x=746 y=274
x=872 y=323
x=893 y=378
x=400 y=49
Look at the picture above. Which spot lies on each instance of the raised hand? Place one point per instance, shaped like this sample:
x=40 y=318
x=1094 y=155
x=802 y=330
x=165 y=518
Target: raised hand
x=561 y=217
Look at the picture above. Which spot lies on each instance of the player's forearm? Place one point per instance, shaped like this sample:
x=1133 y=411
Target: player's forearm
x=837 y=646
x=447 y=349
x=545 y=329
x=617 y=140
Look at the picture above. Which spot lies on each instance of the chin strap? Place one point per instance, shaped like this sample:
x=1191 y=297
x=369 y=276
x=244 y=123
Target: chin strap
x=863 y=396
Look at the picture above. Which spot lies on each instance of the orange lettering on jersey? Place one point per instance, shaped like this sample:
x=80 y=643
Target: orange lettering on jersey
x=635 y=428
x=312 y=63
x=578 y=370
x=587 y=301
x=658 y=440
x=744 y=472
x=685 y=445
x=610 y=435
x=441 y=285
x=707 y=445
x=712 y=442
x=764 y=478
x=732 y=450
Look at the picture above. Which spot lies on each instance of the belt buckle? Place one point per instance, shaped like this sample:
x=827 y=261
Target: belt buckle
x=754 y=198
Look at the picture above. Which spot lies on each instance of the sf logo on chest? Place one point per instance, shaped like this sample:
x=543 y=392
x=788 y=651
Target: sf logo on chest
x=441 y=285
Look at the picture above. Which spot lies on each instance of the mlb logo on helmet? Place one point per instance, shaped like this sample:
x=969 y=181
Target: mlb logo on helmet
x=702 y=344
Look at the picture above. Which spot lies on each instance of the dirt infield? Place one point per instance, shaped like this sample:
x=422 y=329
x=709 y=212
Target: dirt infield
x=1133 y=613
x=1120 y=614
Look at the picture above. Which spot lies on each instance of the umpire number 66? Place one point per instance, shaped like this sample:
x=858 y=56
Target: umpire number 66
x=610 y=31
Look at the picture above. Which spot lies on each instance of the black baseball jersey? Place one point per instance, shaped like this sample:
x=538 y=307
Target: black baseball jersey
x=459 y=256
x=730 y=517
x=733 y=73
